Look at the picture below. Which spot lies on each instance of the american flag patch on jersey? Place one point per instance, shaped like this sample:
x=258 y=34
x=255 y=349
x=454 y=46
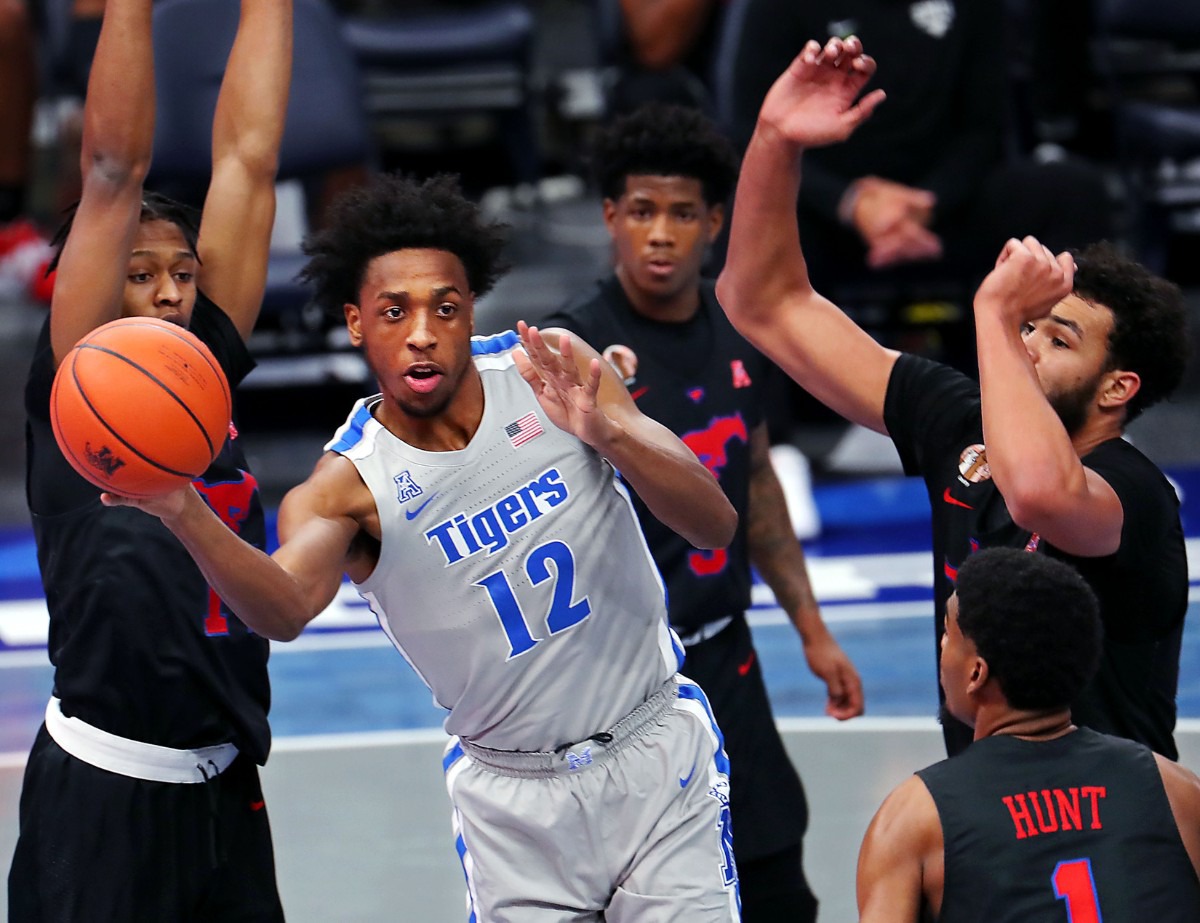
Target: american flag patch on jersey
x=521 y=431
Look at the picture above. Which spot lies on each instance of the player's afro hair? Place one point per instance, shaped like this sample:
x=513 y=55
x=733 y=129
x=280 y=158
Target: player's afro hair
x=1034 y=620
x=664 y=140
x=395 y=212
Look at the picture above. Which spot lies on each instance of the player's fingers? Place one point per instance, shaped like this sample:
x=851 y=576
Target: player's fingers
x=863 y=109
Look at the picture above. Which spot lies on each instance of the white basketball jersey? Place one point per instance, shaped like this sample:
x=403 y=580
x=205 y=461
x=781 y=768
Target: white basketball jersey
x=512 y=574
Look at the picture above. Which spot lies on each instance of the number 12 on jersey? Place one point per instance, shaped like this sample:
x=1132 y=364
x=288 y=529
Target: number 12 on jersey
x=1074 y=883
x=565 y=612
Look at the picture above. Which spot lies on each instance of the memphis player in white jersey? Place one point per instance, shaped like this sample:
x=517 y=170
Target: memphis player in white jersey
x=479 y=502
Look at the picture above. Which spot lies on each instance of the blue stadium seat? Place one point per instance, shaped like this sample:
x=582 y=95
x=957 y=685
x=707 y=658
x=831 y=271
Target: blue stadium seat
x=1148 y=52
x=440 y=65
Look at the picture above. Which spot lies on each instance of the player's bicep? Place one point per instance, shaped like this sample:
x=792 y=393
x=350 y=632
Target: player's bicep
x=234 y=243
x=1087 y=523
x=901 y=843
x=826 y=353
x=317 y=530
x=89 y=286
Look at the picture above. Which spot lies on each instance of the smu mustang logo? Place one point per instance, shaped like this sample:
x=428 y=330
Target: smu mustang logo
x=709 y=445
x=232 y=501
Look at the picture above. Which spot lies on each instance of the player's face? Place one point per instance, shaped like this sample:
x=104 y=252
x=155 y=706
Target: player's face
x=1069 y=349
x=161 y=279
x=661 y=228
x=956 y=664
x=414 y=322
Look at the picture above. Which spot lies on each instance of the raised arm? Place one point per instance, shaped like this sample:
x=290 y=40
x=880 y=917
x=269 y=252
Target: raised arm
x=321 y=538
x=901 y=862
x=118 y=139
x=764 y=287
x=239 y=210
x=779 y=559
x=1034 y=463
x=582 y=395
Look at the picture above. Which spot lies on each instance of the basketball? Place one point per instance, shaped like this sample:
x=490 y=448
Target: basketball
x=140 y=407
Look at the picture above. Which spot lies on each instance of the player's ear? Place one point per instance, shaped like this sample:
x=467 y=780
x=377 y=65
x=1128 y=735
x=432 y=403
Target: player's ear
x=1119 y=387
x=979 y=675
x=353 y=323
x=716 y=221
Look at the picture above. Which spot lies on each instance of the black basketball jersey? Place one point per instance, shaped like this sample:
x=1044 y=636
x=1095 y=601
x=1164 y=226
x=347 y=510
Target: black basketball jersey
x=1076 y=829
x=933 y=415
x=704 y=382
x=141 y=646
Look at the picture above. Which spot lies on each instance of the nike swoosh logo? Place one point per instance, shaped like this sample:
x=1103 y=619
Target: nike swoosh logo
x=953 y=501
x=639 y=392
x=684 y=780
x=744 y=668
x=414 y=513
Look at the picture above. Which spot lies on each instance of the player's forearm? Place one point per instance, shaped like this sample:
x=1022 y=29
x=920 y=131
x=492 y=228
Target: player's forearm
x=1029 y=452
x=777 y=555
x=118 y=124
x=252 y=105
x=262 y=594
x=764 y=265
x=678 y=490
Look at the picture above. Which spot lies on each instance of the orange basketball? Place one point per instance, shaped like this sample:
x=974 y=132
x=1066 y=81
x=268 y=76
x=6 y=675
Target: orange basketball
x=140 y=407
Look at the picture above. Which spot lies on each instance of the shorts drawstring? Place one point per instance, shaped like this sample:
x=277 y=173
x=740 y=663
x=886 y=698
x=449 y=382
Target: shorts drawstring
x=212 y=789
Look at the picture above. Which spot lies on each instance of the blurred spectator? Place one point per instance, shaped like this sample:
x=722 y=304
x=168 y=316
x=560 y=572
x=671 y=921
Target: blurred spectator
x=665 y=53
x=931 y=187
x=24 y=252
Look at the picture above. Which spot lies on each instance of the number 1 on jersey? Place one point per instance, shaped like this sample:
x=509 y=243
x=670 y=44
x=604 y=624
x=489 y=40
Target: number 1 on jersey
x=1074 y=883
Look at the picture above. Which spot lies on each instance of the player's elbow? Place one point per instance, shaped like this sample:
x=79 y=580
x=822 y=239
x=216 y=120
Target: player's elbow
x=718 y=528
x=1032 y=506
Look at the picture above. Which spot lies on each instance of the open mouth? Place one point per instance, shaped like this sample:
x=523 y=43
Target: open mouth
x=422 y=379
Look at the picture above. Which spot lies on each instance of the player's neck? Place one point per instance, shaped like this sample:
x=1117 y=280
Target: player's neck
x=1041 y=725
x=449 y=430
x=674 y=309
x=1097 y=430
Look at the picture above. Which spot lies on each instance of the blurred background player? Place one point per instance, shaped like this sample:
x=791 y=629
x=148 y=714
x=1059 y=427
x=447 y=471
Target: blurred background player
x=1038 y=819
x=665 y=173
x=141 y=798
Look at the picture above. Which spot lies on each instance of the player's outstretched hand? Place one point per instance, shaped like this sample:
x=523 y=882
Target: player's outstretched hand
x=816 y=102
x=164 y=506
x=569 y=400
x=1026 y=282
x=843 y=685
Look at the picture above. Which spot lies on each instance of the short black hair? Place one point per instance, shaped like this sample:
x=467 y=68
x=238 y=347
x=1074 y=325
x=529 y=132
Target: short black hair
x=394 y=212
x=658 y=139
x=1034 y=620
x=155 y=207
x=1149 y=334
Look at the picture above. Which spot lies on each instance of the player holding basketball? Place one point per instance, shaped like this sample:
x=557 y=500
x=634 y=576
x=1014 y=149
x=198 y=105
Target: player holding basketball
x=665 y=173
x=476 y=504
x=141 y=798
x=1070 y=350
x=1038 y=820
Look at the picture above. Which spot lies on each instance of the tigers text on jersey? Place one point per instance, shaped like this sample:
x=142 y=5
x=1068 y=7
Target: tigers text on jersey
x=512 y=574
